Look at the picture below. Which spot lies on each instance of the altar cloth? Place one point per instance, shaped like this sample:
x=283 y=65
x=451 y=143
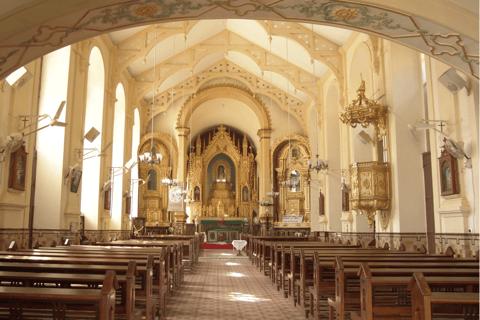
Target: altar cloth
x=239 y=244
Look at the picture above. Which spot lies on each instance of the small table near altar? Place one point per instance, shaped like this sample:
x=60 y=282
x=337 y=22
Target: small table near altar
x=239 y=245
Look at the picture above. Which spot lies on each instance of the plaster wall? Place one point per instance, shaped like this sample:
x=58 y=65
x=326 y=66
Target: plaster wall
x=404 y=82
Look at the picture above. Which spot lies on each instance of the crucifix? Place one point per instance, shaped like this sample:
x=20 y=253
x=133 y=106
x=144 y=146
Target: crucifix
x=441 y=125
x=24 y=122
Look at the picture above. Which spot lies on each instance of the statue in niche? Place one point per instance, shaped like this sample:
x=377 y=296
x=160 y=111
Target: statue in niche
x=245 y=194
x=221 y=173
x=197 y=193
x=210 y=211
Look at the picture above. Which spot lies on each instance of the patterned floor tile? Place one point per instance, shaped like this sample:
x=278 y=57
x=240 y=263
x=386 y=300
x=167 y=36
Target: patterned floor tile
x=222 y=286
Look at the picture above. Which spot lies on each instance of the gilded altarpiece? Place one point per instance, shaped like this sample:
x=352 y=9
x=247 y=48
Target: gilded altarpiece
x=153 y=196
x=221 y=176
x=291 y=164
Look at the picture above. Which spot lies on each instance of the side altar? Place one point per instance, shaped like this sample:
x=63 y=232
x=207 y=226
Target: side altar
x=221 y=230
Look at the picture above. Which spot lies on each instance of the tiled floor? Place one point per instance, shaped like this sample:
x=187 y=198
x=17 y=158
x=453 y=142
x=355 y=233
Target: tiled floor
x=223 y=286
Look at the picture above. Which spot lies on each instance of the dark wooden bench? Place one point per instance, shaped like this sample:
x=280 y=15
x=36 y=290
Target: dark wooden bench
x=125 y=304
x=347 y=280
x=425 y=303
x=67 y=265
x=388 y=296
x=56 y=303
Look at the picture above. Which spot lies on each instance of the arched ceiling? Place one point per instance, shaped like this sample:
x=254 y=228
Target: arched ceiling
x=446 y=29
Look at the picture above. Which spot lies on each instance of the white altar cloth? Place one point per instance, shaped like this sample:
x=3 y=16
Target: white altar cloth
x=239 y=244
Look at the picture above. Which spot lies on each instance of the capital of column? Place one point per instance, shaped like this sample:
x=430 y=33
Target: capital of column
x=264 y=133
x=182 y=131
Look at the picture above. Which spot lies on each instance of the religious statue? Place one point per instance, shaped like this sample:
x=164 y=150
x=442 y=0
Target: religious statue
x=210 y=211
x=221 y=173
x=197 y=194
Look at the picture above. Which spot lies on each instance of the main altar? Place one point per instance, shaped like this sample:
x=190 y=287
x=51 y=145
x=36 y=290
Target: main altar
x=221 y=183
x=221 y=230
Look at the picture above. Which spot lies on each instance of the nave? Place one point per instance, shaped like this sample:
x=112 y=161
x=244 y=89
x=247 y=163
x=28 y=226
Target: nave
x=224 y=286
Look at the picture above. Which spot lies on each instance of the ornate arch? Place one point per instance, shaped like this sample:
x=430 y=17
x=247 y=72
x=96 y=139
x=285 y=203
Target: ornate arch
x=225 y=91
x=162 y=141
x=49 y=28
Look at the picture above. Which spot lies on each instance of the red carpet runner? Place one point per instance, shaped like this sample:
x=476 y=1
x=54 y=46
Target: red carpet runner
x=217 y=246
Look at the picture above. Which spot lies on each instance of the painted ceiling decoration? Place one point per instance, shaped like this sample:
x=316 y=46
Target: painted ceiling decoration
x=70 y=24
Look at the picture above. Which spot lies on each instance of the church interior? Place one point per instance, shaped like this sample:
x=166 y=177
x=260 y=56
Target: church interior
x=213 y=122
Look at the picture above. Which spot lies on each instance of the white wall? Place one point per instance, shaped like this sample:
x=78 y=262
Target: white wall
x=50 y=141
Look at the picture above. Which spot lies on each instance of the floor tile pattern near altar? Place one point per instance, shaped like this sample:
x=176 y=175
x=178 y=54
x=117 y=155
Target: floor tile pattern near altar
x=223 y=286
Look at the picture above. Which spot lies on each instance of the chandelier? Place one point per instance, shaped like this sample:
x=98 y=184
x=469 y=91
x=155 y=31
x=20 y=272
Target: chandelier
x=152 y=157
x=318 y=165
x=169 y=182
x=366 y=111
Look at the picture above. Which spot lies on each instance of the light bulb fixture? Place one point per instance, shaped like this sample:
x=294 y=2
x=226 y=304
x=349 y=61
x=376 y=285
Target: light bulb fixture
x=169 y=182
x=265 y=203
x=272 y=194
x=152 y=157
x=318 y=165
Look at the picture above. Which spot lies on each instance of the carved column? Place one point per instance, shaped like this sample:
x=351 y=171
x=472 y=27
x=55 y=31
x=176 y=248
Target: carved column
x=181 y=216
x=264 y=164
x=74 y=131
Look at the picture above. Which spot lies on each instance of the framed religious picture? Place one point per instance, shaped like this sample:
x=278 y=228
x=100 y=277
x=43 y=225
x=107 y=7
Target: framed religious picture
x=448 y=173
x=345 y=200
x=18 y=169
x=77 y=177
x=138 y=225
x=128 y=203
x=321 y=204
x=106 y=203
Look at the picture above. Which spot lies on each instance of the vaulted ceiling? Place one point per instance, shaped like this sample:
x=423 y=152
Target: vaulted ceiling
x=269 y=58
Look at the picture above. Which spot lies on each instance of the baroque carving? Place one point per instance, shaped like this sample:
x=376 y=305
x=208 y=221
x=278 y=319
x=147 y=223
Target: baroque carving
x=371 y=189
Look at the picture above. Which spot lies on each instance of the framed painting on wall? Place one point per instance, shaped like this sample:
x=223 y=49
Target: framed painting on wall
x=106 y=203
x=18 y=169
x=76 y=181
x=128 y=203
x=321 y=204
x=448 y=173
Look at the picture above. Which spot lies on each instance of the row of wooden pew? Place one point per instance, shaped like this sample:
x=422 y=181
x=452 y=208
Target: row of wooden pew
x=114 y=280
x=341 y=281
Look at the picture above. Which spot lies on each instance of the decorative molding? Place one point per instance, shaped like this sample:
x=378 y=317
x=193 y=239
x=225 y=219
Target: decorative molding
x=106 y=17
x=189 y=103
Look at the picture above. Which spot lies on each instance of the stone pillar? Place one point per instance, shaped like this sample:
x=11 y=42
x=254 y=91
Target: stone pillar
x=264 y=171
x=181 y=216
x=74 y=131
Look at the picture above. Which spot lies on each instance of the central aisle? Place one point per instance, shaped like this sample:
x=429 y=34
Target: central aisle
x=223 y=286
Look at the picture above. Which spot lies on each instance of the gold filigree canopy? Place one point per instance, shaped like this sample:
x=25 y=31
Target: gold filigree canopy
x=366 y=111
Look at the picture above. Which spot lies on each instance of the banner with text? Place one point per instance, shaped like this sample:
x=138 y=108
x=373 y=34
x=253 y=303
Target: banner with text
x=175 y=198
x=292 y=219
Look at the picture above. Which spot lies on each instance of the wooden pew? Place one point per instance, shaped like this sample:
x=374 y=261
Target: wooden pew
x=162 y=265
x=68 y=264
x=55 y=303
x=304 y=266
x=347 y=282
x=124 y=308
x=425 y=302
x=388 y=296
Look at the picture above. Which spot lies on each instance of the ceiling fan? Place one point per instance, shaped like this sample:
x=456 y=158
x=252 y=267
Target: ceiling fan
x=456 y=150
x=15 y=140
x=106 y=186
x=102 y=153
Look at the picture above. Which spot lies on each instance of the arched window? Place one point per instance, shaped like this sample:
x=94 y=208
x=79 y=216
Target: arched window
x=134 y=171
x=152 y=183
x=93 y=118
x=117 y=157
x=296 y=181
